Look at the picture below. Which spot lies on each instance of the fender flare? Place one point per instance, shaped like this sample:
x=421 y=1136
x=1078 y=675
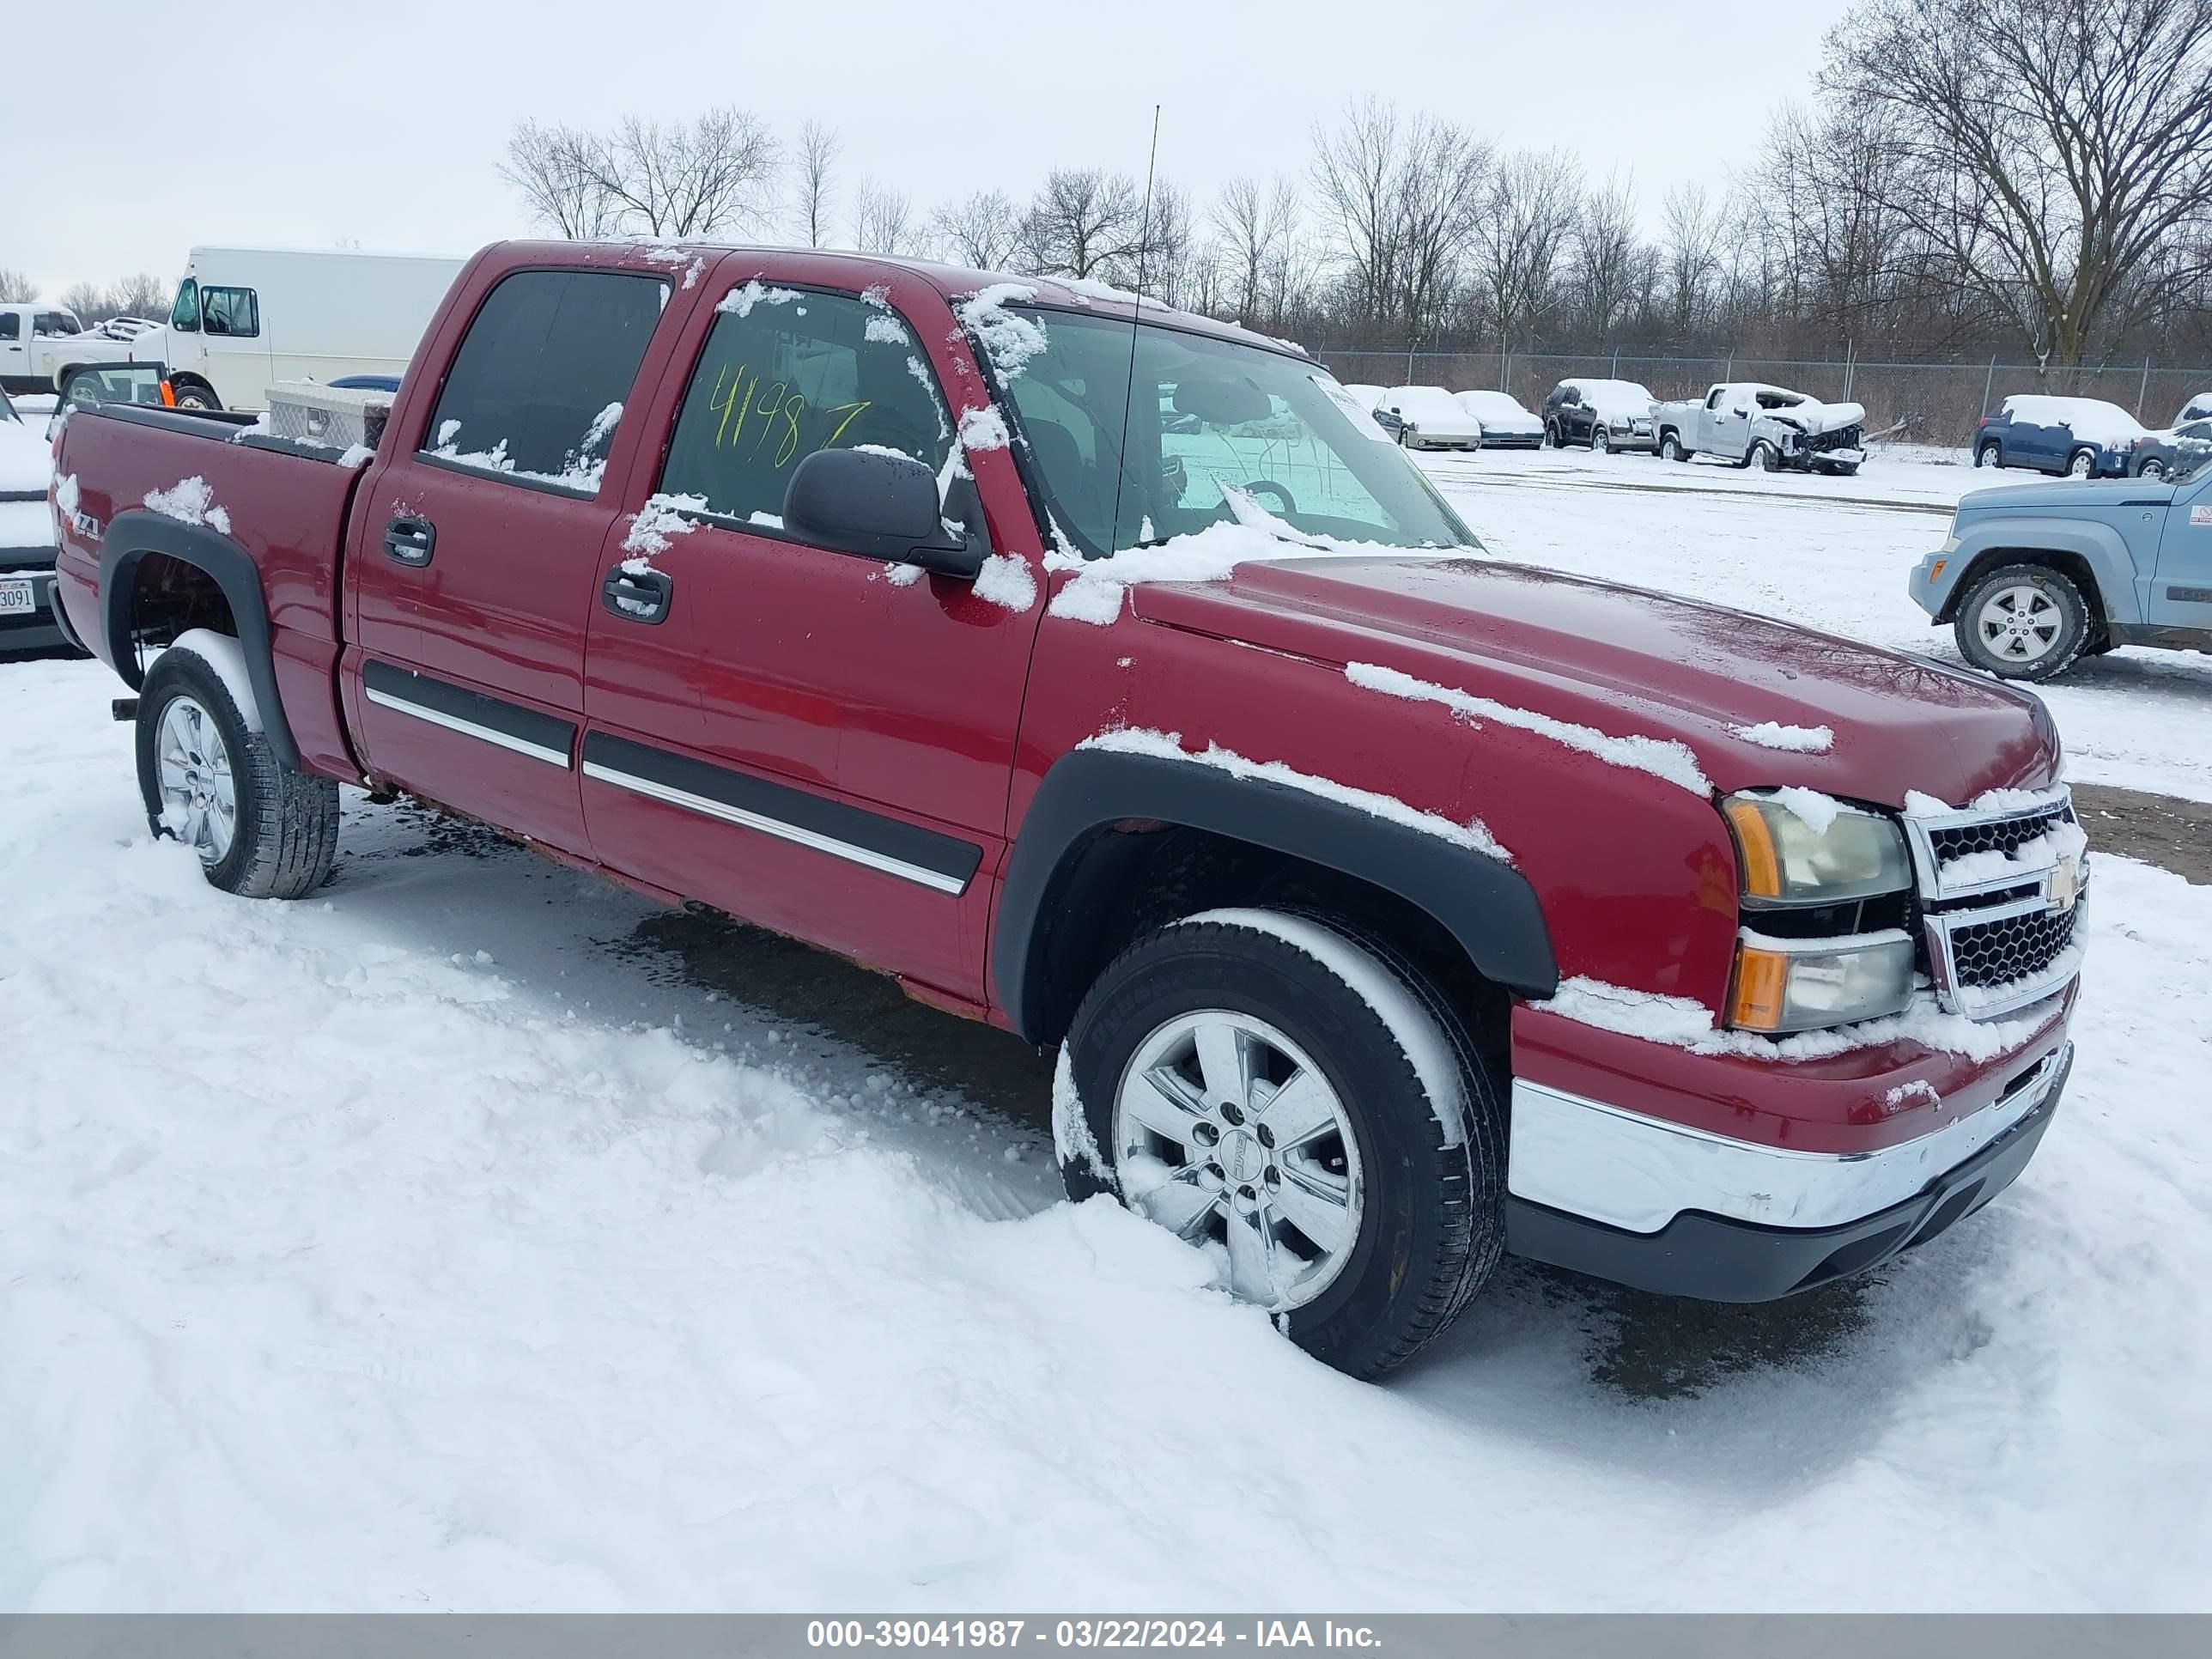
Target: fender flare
x=2097 y=545
x=133 y=535
x=1487 y=906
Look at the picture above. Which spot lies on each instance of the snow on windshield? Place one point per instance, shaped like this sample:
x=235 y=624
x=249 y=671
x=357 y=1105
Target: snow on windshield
x=1493 y=406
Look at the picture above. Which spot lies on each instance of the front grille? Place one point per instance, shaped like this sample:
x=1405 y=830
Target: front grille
x=1998 y=936
x=2006 y=835
x=2003 y=952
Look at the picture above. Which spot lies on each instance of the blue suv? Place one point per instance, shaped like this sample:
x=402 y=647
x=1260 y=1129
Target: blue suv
x=2079 y=437
x=2033 y=577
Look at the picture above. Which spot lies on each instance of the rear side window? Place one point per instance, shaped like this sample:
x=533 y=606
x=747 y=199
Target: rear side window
x=786 y=373
x=54 y=325
x=537 y=390
x=233 y=311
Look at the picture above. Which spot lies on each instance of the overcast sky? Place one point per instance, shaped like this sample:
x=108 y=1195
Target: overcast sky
x=308 y=124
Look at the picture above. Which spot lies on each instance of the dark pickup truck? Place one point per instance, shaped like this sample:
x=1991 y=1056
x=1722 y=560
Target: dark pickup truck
x=1393 y=906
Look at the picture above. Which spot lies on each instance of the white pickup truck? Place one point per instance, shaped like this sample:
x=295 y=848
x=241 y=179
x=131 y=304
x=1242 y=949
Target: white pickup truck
x=1768 y=427
x=39 y=344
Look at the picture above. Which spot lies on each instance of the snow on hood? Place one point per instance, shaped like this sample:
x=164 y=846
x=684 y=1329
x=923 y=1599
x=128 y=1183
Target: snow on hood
x=1812 y=416
x=26 y=462
x=2073 y=496
x=1624 y=661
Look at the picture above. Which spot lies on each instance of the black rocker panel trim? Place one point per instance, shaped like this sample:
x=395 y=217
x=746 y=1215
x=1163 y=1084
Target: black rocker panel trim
x=867 y=837
x=1487 y=906
x=437 y=696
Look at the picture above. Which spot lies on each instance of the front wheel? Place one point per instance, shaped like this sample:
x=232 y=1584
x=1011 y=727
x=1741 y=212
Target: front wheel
x=2023 y=622
x=210 y=778
x=1304 y=1111
x=1762 y=458
x=1600 y=440
x=1670 y=448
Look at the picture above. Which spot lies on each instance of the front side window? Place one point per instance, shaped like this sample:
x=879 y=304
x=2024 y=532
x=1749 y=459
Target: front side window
x=11 y=326
x=184 y=315
x=787 y=371
x=537 y=390
x=233 y=311
x=1215 y=427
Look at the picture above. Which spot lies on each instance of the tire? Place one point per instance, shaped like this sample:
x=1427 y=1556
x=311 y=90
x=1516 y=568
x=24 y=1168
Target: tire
x=1989 y=454
x=1600 y=440
x=1425 y=1175
x=2154 y=469
x=2081 y=463
x=1553 y=437
x=282 y=833
x=2056 y=628
x=1762 y=458
x=193 y=396
x=1670 y=447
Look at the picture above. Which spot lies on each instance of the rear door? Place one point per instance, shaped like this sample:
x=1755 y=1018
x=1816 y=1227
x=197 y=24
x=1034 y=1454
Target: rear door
x=814 y=741
x=474 y=555
x=2181 y=592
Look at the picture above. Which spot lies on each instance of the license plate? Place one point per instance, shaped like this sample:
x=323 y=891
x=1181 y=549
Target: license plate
x=18 y=596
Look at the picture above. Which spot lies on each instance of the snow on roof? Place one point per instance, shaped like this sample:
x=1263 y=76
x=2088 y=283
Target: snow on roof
x=1626 y=397
x=2092 y=418
x=1493 y=404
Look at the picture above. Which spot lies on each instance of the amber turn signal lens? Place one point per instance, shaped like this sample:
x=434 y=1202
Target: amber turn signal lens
x=1755 y=839
x=168 y=396
x=1761 y=992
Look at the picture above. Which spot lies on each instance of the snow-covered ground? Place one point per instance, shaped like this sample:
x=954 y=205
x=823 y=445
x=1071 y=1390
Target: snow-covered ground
x=1831 y=553
x=436 y=1243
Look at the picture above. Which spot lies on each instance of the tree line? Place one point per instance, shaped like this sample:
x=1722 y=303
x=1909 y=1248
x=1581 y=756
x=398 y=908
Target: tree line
x=1965 y=176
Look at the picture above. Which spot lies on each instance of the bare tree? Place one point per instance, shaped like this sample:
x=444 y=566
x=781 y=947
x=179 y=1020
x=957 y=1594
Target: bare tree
x=1169 y=246
x=815 y=161
x=1689 y=252
x=983 y=231
x=676 y=179
x=1084 y=223
x=1605 y=253
x=1253 y=226
x=16 y=288
x=556 y=171
x=883 y=220
x=144 y=295
x=1528 y=216
x=2056 y=155
x=1401 y=199
x=89 y=301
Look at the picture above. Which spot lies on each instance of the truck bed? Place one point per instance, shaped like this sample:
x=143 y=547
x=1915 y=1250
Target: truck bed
x=282 y=505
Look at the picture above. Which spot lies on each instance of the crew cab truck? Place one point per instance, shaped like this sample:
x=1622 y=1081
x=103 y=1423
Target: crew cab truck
x=1184 y=728
x=40 y=345
x=1767 y=427
x=2035 y=577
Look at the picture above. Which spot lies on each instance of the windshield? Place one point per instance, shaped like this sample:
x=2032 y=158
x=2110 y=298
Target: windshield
x=1208 y=420
x=1493 y=406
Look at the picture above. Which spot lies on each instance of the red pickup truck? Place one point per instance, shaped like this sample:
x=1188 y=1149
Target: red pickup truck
x=1104 y=673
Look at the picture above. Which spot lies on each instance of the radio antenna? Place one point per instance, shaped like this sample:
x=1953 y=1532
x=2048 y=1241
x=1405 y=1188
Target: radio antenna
x=1129 y=387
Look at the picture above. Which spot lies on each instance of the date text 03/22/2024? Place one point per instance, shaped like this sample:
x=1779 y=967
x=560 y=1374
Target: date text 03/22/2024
x=1087 y=1634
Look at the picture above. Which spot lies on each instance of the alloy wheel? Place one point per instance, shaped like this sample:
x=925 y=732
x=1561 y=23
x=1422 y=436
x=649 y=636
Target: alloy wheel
x=199 y=796
x=1225 y=1132
x=2018 y=623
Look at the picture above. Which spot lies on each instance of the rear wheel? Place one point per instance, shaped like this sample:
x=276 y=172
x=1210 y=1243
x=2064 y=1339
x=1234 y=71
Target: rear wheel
x=211 y=780
x=1301 y=1108
x=2023 y=622
x=1988 y=454
x=2154 y=469
x=2081 y=463
x=190 y=394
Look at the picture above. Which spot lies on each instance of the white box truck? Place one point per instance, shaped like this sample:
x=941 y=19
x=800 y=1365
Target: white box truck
x=246 y=318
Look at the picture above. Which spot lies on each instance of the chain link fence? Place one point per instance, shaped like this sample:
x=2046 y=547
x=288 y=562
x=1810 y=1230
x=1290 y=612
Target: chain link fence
x=1933 y=403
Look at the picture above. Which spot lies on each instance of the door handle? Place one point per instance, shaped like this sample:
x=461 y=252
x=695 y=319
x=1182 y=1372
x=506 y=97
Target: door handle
x=410 y=541
x=638 y=596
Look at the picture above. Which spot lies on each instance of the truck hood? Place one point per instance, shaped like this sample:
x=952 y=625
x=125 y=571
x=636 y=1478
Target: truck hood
x=2073 y=494
x=1634 y=663
x=1811 y=419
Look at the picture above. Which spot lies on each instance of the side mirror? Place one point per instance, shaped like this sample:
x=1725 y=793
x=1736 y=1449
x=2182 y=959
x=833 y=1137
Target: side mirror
x=881 y=507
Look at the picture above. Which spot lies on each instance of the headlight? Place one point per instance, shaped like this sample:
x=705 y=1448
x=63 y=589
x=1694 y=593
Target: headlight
x=1797 y=984
x=1785 y=859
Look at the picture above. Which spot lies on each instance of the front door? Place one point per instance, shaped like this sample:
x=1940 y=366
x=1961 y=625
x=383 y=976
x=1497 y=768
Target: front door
x=2181 y=591
x=817 y=742
x=474 y=553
